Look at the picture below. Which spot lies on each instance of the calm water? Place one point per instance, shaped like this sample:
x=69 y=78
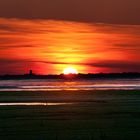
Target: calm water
x=43 y=85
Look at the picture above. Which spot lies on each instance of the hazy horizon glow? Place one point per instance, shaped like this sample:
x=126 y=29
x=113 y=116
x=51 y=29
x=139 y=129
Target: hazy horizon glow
x=49 y=46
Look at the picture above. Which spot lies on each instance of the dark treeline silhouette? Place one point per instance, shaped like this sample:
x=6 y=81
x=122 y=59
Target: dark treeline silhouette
x=31 y=75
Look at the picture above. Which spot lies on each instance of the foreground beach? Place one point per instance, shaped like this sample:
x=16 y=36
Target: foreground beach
x=78 y=115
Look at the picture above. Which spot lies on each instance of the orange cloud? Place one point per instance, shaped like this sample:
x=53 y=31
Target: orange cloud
x=48 y=46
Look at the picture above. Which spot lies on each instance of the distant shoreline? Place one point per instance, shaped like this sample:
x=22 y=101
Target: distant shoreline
x=73 y=76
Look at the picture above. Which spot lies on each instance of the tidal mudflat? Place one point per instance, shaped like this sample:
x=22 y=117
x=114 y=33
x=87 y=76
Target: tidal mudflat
x=79 y=115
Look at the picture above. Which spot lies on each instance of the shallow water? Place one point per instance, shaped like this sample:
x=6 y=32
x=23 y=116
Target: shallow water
x=44 y=85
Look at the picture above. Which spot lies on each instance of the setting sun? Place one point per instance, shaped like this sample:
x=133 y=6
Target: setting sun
x=70 y=70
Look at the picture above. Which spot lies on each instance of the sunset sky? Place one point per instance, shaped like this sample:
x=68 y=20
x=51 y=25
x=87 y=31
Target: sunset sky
x=90 y=35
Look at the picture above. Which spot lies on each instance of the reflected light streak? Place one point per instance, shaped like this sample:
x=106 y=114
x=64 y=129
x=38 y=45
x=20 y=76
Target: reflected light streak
x=34 y=104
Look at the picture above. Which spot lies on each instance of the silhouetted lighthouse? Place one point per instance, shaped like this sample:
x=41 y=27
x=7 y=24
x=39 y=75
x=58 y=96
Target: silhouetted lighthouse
x=30 y=72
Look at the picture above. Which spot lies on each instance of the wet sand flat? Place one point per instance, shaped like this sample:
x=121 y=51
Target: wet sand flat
x=91 y=115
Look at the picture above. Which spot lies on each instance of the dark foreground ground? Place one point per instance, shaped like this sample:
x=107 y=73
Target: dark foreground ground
x=94 y=115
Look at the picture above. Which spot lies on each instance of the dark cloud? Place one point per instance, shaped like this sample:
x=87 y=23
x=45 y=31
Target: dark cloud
x=102 y=64
x=9 y=61
x=107 y=63
x=106 y=11
x=6 y=47
x=118 y=65
x=131 y=46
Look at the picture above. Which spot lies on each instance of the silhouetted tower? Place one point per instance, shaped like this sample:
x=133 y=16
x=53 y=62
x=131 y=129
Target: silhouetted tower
x=31 y=72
